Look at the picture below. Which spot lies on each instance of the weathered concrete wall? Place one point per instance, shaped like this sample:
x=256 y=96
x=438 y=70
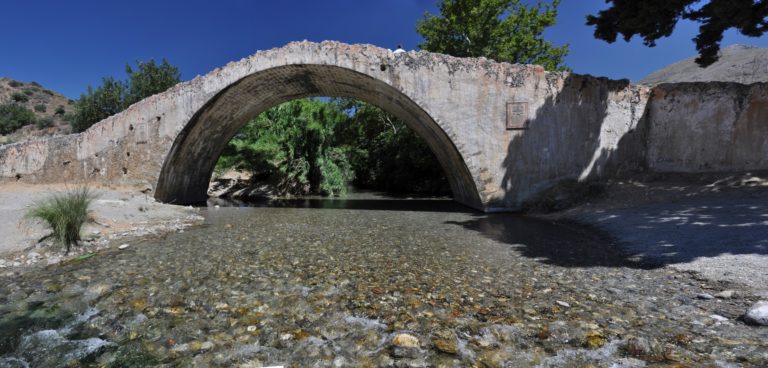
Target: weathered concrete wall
x=702 y=127
x=578 y=126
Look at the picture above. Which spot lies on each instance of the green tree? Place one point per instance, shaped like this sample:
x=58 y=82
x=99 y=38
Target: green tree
x=316 y=146
x=654 y=19
x=292 y=146
x=385 y=154
x=114 y=96
x=150 y=78
x=97 y=104
x=503 y=30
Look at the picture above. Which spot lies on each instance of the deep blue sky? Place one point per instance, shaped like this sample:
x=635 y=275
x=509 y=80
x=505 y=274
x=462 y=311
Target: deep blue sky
x=66 y=45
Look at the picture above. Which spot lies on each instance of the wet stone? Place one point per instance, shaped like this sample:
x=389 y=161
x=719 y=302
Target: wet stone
x=405 y=341
x=726 y=294
x=446 y=341
x=758 y=314
x=405 y=346
x=365 y=287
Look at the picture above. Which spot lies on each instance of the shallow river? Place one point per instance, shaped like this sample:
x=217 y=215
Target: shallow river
x=368 y=283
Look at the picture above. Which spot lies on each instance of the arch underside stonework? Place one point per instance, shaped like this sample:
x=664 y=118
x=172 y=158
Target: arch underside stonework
x=503 y=133
x=187 y=169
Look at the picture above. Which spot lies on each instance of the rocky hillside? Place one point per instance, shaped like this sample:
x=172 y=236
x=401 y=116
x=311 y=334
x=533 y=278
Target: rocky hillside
x=738 y=63
x=48 y=107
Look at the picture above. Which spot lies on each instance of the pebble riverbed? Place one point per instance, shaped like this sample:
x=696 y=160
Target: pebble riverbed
x=428 y=286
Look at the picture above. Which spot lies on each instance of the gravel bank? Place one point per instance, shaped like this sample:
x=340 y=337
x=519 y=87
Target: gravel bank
x=117 y=213
x=716 y=226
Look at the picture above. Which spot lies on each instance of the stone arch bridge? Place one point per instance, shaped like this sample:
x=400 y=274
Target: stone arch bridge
x=502 y=132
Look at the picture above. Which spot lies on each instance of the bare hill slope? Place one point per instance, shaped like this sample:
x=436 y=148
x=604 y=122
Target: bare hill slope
x=44 y=103
x=738 y=63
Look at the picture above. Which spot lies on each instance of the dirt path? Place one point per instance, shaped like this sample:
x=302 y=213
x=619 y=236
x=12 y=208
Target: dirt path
x=714 y=225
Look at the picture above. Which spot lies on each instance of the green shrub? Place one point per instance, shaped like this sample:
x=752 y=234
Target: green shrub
x=19 y=97
x=97 y=104
x=41 y=108
x=149 y=78
x=29 y=92
x=68 y=117
x=60 y=110
x=65 y=213
x=13 y=116
x=35 y=84
x=113 y=95
x=15 y=84
x=44 y=122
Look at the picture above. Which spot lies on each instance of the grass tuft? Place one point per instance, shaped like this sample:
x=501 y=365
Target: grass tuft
x=65 y=213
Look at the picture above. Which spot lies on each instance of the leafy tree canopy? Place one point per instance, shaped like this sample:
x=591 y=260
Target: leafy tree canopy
x=503 y=30
x=319 y=146
x=385 y=154
x=114 y=96
x=654 y=19
x=293 y=146
x=150 y=78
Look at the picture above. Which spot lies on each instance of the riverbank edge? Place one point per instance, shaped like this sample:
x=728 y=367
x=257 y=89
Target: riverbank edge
x=670 y=194
x=126 y=215
x=120 y=216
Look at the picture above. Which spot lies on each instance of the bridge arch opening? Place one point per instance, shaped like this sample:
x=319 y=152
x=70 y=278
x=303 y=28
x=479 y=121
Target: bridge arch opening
x=187 y=169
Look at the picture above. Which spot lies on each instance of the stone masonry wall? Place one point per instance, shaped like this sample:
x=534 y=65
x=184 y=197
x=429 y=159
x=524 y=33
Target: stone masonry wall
x=574 y=127
x=707 y=127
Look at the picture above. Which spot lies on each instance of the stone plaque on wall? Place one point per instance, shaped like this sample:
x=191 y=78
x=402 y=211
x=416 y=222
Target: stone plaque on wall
x=517 y=115
x=142 y=136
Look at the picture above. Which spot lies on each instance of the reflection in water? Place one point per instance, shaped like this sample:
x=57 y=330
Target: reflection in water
x=559 y=243
x=355 y=200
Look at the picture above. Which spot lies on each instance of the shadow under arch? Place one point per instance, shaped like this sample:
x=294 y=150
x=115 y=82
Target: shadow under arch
x=190 y=162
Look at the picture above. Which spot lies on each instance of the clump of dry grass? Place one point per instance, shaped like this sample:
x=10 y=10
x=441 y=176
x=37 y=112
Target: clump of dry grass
x=65 y=213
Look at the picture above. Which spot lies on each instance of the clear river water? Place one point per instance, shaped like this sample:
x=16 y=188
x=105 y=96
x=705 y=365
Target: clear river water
x=370 y=282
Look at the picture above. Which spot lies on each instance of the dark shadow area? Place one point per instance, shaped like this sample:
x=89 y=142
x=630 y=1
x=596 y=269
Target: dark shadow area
x=571 y=138
x=581 y=135
x=562 y=244
x=686 y=229
x=565 y=141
